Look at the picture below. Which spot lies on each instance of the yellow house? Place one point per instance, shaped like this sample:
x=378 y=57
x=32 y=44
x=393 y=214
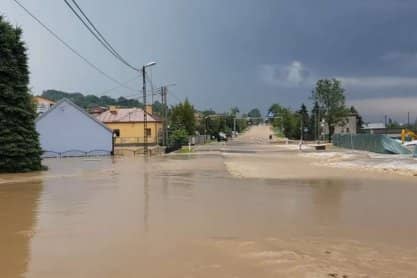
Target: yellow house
x=129 y=124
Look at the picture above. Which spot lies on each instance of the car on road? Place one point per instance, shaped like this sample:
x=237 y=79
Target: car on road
x=222 y=137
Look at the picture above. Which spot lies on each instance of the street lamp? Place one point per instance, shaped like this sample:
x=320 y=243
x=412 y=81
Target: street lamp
x=150 y=64
x=145 y=116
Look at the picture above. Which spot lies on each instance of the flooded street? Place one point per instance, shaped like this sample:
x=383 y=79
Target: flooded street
x=190 y=216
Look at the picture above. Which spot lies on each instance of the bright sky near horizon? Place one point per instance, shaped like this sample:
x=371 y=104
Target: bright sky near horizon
x=241 y=53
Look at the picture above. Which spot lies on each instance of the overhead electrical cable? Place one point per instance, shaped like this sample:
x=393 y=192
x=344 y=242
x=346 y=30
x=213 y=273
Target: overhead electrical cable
x=153 y=93
x=85 y=20
x=55 y=35
x=104 y=39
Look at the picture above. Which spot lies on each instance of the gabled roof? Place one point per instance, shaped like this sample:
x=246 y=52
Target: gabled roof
x=65 y=100
x=126 y=115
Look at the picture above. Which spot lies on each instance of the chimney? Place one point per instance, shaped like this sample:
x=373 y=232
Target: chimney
x=148 y=109
x=113 y=109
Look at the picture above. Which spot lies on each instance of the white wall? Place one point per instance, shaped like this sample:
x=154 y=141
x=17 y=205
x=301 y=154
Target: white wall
x=66 y=128
x=348 y=127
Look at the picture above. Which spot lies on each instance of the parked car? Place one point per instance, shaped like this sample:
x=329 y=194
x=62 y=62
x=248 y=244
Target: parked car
x=221 y=137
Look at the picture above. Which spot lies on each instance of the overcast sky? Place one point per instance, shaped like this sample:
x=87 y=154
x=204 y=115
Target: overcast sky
x=223 y=53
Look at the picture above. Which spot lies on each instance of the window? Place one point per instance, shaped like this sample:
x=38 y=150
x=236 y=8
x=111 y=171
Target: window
x=148 y=132
x=116 y=132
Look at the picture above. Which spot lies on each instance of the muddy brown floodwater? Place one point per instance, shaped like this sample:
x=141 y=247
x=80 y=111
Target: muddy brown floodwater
x=187 y=216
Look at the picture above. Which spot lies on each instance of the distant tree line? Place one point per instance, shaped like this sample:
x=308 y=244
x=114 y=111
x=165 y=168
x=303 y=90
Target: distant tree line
x=185 y=121
x=329 y=109
x=212 y=123
x=91 y=101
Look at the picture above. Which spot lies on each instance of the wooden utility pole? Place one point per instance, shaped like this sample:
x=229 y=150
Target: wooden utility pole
x=164 y=92
x=145 y=116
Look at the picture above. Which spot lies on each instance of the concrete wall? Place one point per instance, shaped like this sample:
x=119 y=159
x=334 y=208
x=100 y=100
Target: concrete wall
x=66 y=128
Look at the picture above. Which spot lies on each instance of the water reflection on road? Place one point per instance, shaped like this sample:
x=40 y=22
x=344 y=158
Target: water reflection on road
x=187 y=217
x=18 y=218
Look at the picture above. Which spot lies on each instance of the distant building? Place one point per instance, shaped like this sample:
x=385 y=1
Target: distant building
x=42 y=104
x=198 y=116
x=381 y=128
x=128 y=123
x=370 y=127
x=349 y=125
x=95 y=111
x=69 y=130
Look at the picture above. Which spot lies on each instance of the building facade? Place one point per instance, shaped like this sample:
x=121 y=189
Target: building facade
x=129 y=125
x=68 y=130
x=42 y=104
x=349 y=125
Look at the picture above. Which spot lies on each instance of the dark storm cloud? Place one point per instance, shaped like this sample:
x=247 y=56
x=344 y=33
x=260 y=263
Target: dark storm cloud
x=236 y=52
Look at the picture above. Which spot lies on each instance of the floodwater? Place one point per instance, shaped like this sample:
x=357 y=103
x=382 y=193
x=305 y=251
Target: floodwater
x=186 y=216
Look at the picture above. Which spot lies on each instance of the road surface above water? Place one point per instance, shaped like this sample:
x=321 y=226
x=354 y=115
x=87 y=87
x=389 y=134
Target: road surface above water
x=250 y=210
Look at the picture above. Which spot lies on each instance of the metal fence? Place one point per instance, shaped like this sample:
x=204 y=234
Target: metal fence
x=370 y=142
x=75 y=153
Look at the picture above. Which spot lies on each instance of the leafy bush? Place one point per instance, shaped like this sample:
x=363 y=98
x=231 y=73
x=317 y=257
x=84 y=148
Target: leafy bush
x=179 y=137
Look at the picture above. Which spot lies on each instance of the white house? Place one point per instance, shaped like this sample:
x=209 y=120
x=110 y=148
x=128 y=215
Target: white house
x=349 y=125
x=68 y=130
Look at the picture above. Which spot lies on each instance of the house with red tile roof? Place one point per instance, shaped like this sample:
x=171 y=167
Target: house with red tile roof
x=128 y=124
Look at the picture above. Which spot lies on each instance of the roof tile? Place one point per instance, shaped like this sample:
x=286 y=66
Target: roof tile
x=126 y=115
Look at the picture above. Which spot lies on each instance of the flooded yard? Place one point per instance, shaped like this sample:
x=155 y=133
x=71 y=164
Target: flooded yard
x=187 y=216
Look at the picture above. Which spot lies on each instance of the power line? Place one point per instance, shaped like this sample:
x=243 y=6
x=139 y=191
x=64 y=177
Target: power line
x=153 y=92
x=71 y=48
x=136 y=96
x=96 y=33
x=101 y=36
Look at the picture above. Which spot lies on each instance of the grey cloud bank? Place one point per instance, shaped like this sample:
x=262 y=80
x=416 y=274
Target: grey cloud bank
x=237 y=52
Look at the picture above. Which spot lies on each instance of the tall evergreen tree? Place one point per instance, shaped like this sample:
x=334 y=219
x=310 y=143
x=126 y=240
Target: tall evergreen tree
x=19 y=142
x=359 y=120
